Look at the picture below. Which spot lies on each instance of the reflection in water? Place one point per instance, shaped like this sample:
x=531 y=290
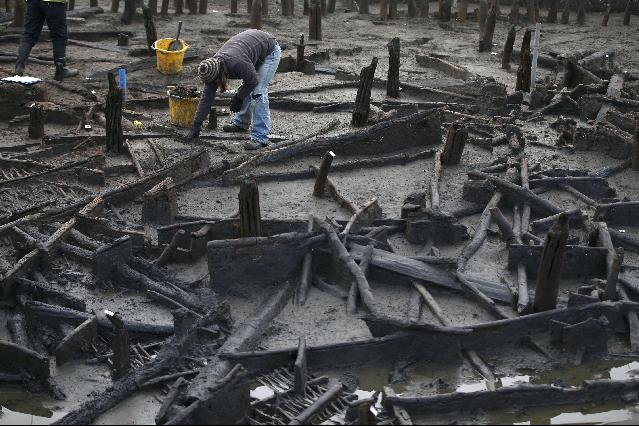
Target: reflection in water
x=23 y=408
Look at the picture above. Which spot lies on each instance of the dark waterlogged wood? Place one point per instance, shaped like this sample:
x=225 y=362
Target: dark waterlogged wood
x=549 y=275
x=525 y=64
x=149 y=27
x=320 y=181
x=36 y=121
x=565 y=13
x=392 y=83
x=486 y=40
x=315 y=21
x=455 y=143
x=627 y=13
x=250 y=216
x=120 y=346
x=508 y=47
x=606 y=17
x=306 y=269
x=256 y=15
x=113 y=114
x=361 y=109
x=299 y=62
x=553 y=10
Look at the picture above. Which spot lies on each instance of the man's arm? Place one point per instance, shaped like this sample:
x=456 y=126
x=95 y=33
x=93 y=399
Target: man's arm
x=246 y=71
x=204 y=107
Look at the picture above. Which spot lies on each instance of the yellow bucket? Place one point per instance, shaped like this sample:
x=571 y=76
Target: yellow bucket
x=169 y=62
x=182 y=110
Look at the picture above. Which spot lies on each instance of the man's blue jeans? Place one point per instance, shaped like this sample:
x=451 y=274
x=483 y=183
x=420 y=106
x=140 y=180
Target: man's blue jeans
x=256 y=103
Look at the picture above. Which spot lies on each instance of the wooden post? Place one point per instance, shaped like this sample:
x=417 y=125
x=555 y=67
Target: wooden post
x=300 y=371
x=250 y=216
x=486 y=42
x=179 y=7
x=627 y=13
x=424 y=6
x=383 y=9
x=115 y=6
x=113 y=115
x=320 y=180
x=323 y=7
x=233 y=6
x=123 y=39
x=549 y=274
x=120 y=346
x=445 y=10
x=455 y=143
x=264 y=7
x=508 y=48
x=291 y=7
x=553 y=10
x=392 y=9
x=462 y=10
x=412 y=9
x=153 y=6
x=7 y=6
x=204 y=5
x=129 y=12
x=514 y=12
x=635 y=147
x=149 y=27
x=565 y=14
x=392 y=84
x=581 y=13
x=331 y=6
x=71 y=5
x=164 y=10
x=606 y=17
x=36 y=121
x=525 y=64
x=363 y=7
x=212 y=119
x=299 y=63
x=285 y=5
x=362 y=105
x=315 y=21
x=249 y=6
x=256 y=15
x=307 y=7
x=18 y=14
x=192 y=5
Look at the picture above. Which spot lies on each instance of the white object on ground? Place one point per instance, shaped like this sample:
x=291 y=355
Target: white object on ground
x=22 y=80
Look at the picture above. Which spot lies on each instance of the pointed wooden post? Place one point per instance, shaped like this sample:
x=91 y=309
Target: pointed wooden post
x=549 y=274
x=119 y=346
x=383 y=9
x=363 y=98
x=250 y=216
x=525 y=64
x=315 y=21
x=508 y=48
x=299 y=63
x=149 y=27
x=486 y=41
x=36 y=121
x=392 y=84
x=256 y=15
x=455 y=143
x=322 y=175
x=113 y=115
x=483 y=17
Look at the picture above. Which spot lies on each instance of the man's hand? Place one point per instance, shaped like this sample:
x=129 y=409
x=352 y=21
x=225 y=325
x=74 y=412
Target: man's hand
x=192 y=136
x=236 y=104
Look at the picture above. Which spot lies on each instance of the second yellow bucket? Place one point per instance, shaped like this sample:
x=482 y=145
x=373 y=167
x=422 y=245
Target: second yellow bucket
x=169 y=62
x=182 y=107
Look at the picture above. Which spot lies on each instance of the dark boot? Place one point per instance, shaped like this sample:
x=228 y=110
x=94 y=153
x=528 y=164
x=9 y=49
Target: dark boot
x=61 y=70
x=23 y=54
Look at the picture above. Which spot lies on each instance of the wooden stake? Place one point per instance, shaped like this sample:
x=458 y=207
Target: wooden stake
x=565 y=14
x=285 y=6
x=383 y=9
x=434 y=181
x=233 y=6
x=525 y=64
x=445 y=10
x=483 y=17
x=361 y=108
x=412 y=9
x=514 y=12
x=392 y=9
x=113 y=115
x=455 y=143
x=291 y=7
x=549 y=273
x=36 y=121
x=532 y=18
x=363 y=7
x=250 y=216
x=627 y=13
x=164 y=10
x=508 y=48
x=606 y=17
x=149 y=26
x=123 y=39
x=204 y=4
x=581 y=13
x=307 y=269
x=486 y=42
x=392 y=84
x=424 y=8
x=299 y=63
x=315 y=21
x=323 y=7
x=353 y=294
x=300 y=371
x=331 y=6
x=505 y=227
x=115 y=6
x=256 y=15
x=179 y=7
x=462 y=10
x=120 y=346
x=320 y=181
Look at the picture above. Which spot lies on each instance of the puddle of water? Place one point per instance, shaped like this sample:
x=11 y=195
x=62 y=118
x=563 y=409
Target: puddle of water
x=611 y=413
x=22 y=408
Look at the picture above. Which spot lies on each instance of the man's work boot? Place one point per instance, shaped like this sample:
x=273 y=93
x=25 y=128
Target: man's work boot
x=62 y=72
x=233 y=128
x=23 y=54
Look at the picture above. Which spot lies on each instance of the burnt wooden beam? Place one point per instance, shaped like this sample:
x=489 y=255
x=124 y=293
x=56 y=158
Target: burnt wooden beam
x=81 y=337
x=525 y=64
x=619 y=213
x=300 y=370
x=614 y=259
x=486 y=39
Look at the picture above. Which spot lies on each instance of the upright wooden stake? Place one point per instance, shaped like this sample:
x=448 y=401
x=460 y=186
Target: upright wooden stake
x=392 y=9
x=153 y=6
x=179 y=7
x=606 y=17
x=299 y=63
x=486 y=42
x=249 y=6
x=129 y=12
x=514 y=12
x=115 y=6
x=233 y=6
x=565 y=14
x=462 y=10
x=212 y=119
x=250 y=216
x=508 y=48
x=291 y=7
x=18 y=14
x=307 y=7
x=300 y=370
x=627 y=13
x=192 y=5
x=392 y=84
x=635 y=147
x=204 y=5
x=120 y=346
x=553 y=10
x=149 y=26
x=36 y=121
x=531 y=14
x=323 y=7
x=113 y=115
x=363 y=98
x=331 y=6
x=383 y=9
x=256 y=15
x=483 y=17
x=71 y=5
x=455 y=143
x=424 y=6
x=320 y=180
x=285 y=5
x=363 y=7
x=581 y=13
x=315 y=21
x=549 y=274
x=412 y=9
x=445 y=11
x=164 y=10
x=525 y=64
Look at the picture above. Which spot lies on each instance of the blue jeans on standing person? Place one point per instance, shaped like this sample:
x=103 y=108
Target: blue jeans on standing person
x=256 y=104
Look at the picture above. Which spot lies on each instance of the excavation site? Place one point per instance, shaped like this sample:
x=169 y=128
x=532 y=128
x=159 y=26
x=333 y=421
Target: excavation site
x=328 y=212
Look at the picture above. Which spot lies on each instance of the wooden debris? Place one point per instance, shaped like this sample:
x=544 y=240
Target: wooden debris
x=36 y=121
x=149 y=26
x=250 y=216
x=614 y=259
x=256 y=15
x=436 y=177
x=480 y=234
x=320 y=180
x=306 y=269
x=565 y=14
x=392 y=83
x=113 y=113
x=80 y=337
x=553 y=10
x=635 y=147
x=361 y=109
x=120 y=346
x=505 y=227
x=486 y=40
x=548 y=277
x=627 y=13
x=455 y=143
x=353 y=294
x=300 y=371
x=525 y=64
x=508 y=47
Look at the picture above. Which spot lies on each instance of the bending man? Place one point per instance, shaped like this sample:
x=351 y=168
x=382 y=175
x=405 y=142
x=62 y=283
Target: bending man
x=253 y=57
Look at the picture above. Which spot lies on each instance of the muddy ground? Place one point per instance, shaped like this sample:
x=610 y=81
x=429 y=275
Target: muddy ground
x=349 y=42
